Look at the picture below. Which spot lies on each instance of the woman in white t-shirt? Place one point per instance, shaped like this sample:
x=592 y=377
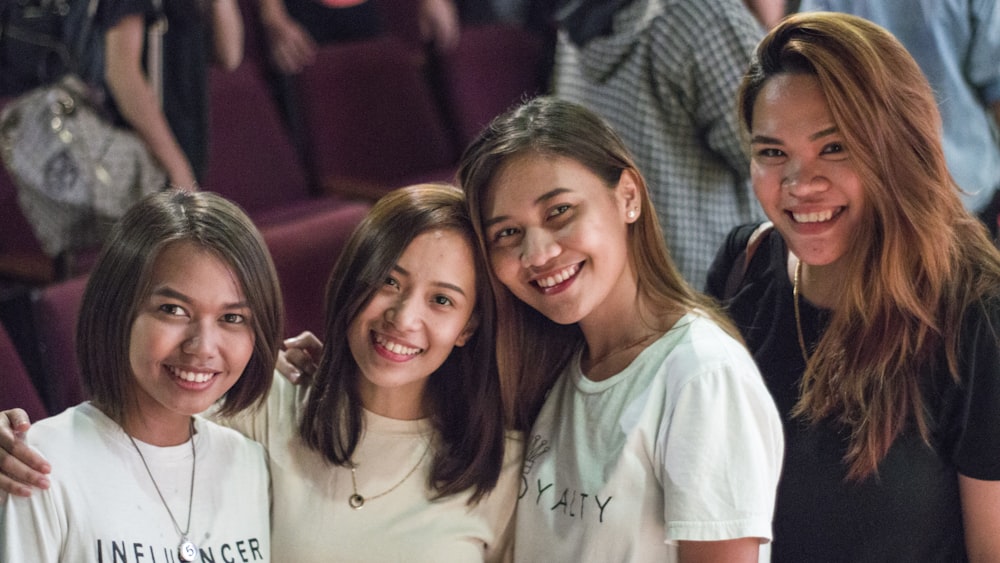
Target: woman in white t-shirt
x=181 y=310
x=652 y=435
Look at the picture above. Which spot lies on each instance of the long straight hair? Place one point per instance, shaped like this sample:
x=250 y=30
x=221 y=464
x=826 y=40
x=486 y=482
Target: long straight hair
x=463 y=394
x=918 y=261
x=531 y=349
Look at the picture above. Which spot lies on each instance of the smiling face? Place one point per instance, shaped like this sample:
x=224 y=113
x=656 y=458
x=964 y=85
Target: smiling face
x=191 y=339
x=802 y=171
x=557 y=237
x=421 y=312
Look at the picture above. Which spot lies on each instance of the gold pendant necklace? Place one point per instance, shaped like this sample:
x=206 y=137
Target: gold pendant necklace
x=357 y=500
x=186 y=549
x=798 y=317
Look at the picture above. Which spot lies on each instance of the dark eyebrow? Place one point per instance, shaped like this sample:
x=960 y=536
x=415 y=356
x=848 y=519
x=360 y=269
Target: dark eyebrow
x=171 y=293
x=445 y=285
x=765 y=140
x=540 y=199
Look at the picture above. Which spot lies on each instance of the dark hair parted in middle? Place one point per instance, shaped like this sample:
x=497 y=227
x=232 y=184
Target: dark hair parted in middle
x=463 y=395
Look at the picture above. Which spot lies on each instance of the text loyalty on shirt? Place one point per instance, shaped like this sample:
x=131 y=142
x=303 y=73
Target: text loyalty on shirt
x=123 y=551
x=572 y=503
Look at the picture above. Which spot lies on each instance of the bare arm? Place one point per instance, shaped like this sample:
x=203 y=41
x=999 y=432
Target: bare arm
x=741 y=550
x=227 y=33
x=20 y=466
x=981 y=518
x=438 y=23
x=768 y=12
x=137 y=101
x=289 y=45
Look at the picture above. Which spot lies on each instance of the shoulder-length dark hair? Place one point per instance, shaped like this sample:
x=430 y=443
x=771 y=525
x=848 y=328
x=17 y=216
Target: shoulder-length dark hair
x=918 y=260
x=463 y=394
x=531 y=349
x=120 y=282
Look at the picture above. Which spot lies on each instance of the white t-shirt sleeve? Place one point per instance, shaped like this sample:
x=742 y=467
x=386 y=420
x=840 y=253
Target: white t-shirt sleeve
x=720 y=456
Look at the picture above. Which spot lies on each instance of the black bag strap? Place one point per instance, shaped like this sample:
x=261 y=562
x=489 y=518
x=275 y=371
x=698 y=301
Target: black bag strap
x=742 y=261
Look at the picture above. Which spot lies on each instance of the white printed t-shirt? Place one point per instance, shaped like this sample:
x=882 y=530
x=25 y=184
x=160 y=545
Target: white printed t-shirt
x=102 y=506
x=683 y=444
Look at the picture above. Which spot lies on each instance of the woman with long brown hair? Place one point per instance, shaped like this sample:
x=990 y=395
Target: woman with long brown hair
x=872 y=307
x=652 y=435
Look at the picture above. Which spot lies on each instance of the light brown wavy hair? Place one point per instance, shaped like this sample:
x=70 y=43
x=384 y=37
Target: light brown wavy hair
x=919 y=259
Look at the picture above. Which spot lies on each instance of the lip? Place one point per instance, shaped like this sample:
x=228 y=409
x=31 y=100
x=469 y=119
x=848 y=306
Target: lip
x=814 y=220
x=191 y=377
x=557 y=280
x=392 y=348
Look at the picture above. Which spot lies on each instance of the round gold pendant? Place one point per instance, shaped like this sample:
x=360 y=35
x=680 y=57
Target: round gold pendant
x=356 y=501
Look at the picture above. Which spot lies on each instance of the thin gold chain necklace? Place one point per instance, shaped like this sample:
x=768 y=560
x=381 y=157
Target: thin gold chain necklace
x=798 y=315
x=357 y=500
x=627 y=347
x=186 y=549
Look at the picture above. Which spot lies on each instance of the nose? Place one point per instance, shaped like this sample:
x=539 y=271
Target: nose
x=802 y=177
x=404 y=314
x=538 y=247
x=201 y=340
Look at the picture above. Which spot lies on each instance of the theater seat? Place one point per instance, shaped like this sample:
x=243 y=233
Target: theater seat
x=493 y=68
x=304 y=253
x=252 y=159
x=371 y=122
x=16 y=388
x=56 y=308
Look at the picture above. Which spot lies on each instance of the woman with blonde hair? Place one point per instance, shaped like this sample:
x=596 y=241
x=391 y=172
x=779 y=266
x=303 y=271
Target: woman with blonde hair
x=872 y=307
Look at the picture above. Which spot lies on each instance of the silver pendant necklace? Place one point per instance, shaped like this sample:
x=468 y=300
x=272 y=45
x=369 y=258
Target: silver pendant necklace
x=186 y=550
x=357 y=500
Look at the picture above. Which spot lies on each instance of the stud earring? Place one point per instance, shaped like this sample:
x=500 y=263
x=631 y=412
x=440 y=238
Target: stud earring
x=631 y=213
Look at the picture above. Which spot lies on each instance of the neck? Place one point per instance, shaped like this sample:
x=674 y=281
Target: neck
x=612 y=346
x=820 y=285
x=405 y=402
x=158 y=432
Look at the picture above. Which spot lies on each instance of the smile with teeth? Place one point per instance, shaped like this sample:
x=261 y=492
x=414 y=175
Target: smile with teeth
x=395 y=347
x=191 y=376
x=558 y=277
x=816 y=216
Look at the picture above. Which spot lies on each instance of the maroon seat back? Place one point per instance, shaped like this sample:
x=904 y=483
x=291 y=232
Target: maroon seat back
x=370 y=118
x=252 y=159
x=304 y=253
x=16 y=387
x=56 y=309
x=492 y=69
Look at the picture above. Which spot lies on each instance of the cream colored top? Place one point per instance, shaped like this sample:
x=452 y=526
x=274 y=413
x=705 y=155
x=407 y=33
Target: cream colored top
x=312 y=520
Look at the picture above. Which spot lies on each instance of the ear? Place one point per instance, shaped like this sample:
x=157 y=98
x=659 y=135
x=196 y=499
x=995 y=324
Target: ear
x=627 y=192
x=468 y=331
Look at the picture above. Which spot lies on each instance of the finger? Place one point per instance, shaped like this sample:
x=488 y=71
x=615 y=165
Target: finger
x=302 y=340
x=13 y=423
x=285 y=368
x=301 y=360
x=22 y=468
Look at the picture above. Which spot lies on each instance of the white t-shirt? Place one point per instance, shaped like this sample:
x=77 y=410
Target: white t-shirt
x=313 y=522
x=683 y=444
x=102 y=506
